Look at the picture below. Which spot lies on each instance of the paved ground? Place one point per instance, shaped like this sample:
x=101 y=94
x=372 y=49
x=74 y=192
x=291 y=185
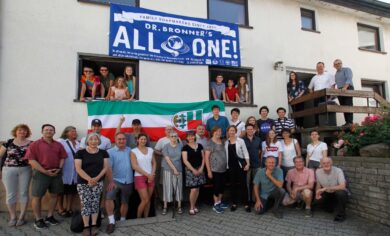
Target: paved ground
x=229 y=223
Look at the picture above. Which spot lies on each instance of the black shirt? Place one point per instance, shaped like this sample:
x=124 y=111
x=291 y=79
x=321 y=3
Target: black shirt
x=194 y=157
x=264 y=127
x=233 y=158
x=92 y=164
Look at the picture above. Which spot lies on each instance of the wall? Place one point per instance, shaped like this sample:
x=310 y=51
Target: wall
x=369 y=183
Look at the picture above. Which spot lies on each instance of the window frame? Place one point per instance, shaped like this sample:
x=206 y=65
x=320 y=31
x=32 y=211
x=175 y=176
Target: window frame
x=313 y=19
x=104 y=59
x=137 y=2
x=241 y=70
x=377 y=37
x=245 y=25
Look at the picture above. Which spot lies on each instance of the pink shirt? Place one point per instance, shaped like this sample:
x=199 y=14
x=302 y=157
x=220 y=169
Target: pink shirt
x=300 y=178
x=48 y=155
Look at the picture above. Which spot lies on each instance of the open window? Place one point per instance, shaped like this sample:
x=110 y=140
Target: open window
x=375 y=86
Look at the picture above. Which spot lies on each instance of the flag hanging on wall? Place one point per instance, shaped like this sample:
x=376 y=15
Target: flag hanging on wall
x=154 y=116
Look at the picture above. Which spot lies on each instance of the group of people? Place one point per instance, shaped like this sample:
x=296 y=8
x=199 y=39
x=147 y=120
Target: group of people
x=106 y=85
x=259 y=159
x=232 y=93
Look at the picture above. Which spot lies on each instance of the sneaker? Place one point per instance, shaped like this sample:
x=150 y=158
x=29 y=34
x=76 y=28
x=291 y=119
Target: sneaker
x=51 y=220
x=223 y=205
x=40 y=224
x=164 y=211
x=217 y=208
x=308 y=213
x=110 y=228
x=20 y=222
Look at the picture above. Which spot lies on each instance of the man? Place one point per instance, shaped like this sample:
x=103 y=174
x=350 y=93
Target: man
x=343 y=79
x=267 y=184
x=120 y=179
x=283 y=122
x=302 y=181
x=218 y=89
x=253 y=144
x=331 y=192
x=46 y=157
x=322 y=80
x=220 y=121
x=235 y=113
x=132 y=137
x=265 y=124
x=106 y=79
x=96 y=126
x=201 y=135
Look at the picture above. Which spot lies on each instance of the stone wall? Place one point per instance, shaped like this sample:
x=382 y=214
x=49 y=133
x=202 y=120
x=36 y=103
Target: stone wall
x=369 y=182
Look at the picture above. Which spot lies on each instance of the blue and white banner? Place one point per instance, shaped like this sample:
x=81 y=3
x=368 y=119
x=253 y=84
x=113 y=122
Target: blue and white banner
x=157 y=36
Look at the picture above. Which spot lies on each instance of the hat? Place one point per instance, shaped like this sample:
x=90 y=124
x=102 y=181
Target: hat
x=96 y=122
x=136 y=122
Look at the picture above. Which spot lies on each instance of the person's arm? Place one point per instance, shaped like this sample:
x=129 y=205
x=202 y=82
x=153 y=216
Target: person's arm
x=3 y=150
x=214 y=93
x=298 y=148
x=280 y=155
x=103 y=171
x=311 y=85
x=82 y=92
x=256 y=191
x=158 y=149
x=170 y=164
x=35 y=165
x=94 y=87
x=102 y=90
x=324 y=151
x=112 y=94
x=132 y=96
x=111 y=184
x=275 y=181
x=224 y=97
x=247 y=95
x=127 y=94
x=227 y=97
x=208 y=166
x=288 y=187
x=121 y=121
x=200 y=170
x=246 y=155
x=308 y=156
x=349 y=75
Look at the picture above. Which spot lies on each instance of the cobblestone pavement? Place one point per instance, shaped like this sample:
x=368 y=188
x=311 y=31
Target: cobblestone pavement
x=229 y=223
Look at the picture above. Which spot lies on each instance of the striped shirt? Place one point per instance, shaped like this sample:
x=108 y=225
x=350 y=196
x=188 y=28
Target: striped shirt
x=283 y=123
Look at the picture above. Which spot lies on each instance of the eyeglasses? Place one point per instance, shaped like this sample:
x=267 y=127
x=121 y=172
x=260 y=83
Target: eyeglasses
x=338 y=63
x=88 y=71
x=103 y=70
x=174 y=136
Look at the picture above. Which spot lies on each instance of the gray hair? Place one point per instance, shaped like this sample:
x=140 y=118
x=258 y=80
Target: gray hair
x=92 y=135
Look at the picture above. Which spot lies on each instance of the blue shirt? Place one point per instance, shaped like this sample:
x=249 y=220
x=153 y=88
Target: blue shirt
x=266 y=185
x=254 y=147
x=121 y=165
x=222 y=122
x=343 y=76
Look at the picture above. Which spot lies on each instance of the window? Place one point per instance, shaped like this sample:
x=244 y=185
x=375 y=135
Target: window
x=233 y=11
x=134 y=3
x=230 y=75
x=375 y=86
x=91 y=65
x=308 y=20
x=368 y=37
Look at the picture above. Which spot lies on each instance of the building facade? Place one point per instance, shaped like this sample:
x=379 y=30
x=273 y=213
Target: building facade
x=45 y=43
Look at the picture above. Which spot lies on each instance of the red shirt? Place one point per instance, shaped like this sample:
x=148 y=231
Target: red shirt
x=231 y=93
x=48 y=155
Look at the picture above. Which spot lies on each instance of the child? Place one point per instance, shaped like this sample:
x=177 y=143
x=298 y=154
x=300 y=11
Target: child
x=119 y=91
x=231 y=92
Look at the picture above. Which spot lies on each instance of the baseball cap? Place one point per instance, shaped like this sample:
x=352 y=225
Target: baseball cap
x=96 y=122
x=136 y=122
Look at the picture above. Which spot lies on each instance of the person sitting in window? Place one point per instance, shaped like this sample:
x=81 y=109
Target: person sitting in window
x=231 y=92
x=119 y=90
x=130 y=79
x=218 y=88
x=90 y=84
x=243 y=90
x=107 y=79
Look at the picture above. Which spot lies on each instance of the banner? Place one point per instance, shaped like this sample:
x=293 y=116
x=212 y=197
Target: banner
x=153 y=116
x=156 y=36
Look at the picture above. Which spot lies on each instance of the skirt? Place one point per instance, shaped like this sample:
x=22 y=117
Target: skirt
x=193 y=181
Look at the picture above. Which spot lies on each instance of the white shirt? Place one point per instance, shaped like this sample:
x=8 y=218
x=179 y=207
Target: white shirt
x=289 y=153
x=105 y=143
x=161 y=143
x=318 y=82
x=272 y=150
x=144 y=161
x=240 y=126
x=315 y=152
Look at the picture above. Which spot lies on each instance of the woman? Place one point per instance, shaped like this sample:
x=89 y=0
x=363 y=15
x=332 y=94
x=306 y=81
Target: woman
x=119 y=91
x=16 y=172
x=193 y=159
x=215 y=159
x=91 y=166
x=144 y=166
x=243 y=90
x=238 y=166
x=295 y=89
x=172 y=173
x=68 y=139
x=252 y=120
x=316 y=150
x=291 y=149
x=271 y=147
x=130 y=80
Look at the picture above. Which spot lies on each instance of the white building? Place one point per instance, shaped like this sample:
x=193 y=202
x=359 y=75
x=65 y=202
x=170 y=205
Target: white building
x=43 y=43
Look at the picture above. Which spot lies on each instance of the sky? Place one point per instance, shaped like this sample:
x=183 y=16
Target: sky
x=386 y=1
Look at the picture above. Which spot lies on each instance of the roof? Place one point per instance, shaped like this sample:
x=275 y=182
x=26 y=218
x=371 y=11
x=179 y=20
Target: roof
x=379 y=8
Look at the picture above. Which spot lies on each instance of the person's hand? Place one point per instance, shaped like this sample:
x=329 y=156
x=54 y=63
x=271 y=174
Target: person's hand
x=175 y=172
x=268 y=173
x=246 y=168
x=111 y=186
x=293 y=194
x=195 y=172
x=51 y=172
x=92 y=182
x=209 y=174
x=122 y=119
x=150 y=178
x=82 y=99
x=319 y=192
x=258 y=205
x=344 y=89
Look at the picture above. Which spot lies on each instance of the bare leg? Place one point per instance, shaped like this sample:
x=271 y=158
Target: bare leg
x=12 y=211
x=110 y=207
x=60 y=201
x=36 y=206
x=23 y=209
x=307 y=196
x=147 y=207
x=124 y=209
x=52 y=204
x=94 y=218
x=143 y=194
x=86 y=221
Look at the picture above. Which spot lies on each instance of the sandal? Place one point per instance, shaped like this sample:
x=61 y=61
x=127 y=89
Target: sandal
x=64 y=214
x=192 y=212
x=196 y=210
x=20 y=222
x=179 y=210
x=11 y=222
x=164 y=211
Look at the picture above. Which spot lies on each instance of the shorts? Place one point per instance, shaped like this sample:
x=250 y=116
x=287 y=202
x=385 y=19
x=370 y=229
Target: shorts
x=141 y=182
x=41 y=183
x=70 y=189
x=124 y=189
x=218 y=183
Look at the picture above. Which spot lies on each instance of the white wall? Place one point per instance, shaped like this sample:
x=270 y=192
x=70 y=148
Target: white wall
x=40 y=40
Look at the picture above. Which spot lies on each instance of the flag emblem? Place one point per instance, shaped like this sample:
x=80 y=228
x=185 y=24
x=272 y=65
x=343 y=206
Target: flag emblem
x=187 y=120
